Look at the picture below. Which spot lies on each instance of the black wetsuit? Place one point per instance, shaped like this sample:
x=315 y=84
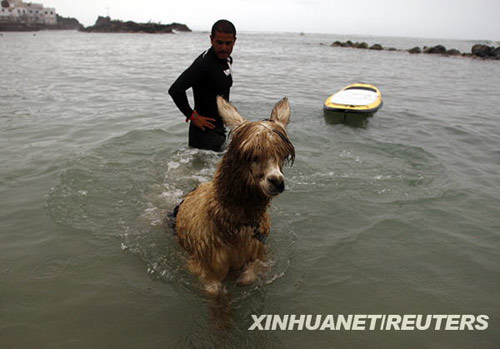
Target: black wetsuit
x=209 y=77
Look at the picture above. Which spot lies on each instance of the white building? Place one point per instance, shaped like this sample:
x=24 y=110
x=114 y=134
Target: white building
x=17 y=11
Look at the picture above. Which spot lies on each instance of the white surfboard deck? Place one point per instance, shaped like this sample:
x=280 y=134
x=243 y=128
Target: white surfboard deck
x=354 y=97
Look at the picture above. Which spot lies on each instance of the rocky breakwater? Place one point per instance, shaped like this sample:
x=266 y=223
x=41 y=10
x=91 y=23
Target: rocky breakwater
x=477 y=51
x=107 y=25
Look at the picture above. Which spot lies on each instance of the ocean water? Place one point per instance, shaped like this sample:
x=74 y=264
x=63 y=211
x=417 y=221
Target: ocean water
x=399 y=216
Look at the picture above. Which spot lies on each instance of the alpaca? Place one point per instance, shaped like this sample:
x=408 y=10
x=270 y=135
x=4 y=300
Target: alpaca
x=223 y=224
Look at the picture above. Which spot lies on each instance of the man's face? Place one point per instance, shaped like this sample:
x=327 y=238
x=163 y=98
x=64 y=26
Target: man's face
x=223 y=44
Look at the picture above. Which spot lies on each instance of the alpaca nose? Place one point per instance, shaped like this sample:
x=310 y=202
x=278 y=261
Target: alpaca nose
x=277 y=182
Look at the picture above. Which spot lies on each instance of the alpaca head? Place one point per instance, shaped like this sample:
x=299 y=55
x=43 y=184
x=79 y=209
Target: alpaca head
x=258 y=150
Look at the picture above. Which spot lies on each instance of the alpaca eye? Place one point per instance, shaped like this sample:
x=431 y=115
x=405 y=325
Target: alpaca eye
x=255 y=159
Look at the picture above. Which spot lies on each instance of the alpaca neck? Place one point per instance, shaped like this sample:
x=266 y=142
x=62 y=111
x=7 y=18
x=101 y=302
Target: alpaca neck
x=237 y=197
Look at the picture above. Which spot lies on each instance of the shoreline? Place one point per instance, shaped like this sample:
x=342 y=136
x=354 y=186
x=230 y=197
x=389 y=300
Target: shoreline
x=102 y=25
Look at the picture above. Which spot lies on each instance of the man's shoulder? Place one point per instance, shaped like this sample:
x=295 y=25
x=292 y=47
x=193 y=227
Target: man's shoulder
x=205 y=56
x=208 y=63
x=202 y=61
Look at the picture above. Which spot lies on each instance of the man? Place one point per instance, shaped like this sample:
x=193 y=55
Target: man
x=209 y=76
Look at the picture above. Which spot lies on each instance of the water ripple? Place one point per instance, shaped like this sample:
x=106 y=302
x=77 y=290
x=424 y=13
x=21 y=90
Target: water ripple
x=51 y=268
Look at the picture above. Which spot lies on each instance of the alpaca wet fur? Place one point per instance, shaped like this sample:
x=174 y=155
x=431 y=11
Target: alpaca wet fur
x=218 y=223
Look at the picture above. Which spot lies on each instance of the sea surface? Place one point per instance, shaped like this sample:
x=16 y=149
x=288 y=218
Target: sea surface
x=399 y=215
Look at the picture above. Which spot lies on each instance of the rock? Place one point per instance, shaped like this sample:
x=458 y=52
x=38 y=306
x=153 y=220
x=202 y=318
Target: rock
x=485 y=51
x=481 y=50
x=376 y=47
x=362 y=45
x=496 y=53
x=337 y=44
x=439 y=49
x=17 y=27
x=68 y=23
x=415 y=50
x=453 y=52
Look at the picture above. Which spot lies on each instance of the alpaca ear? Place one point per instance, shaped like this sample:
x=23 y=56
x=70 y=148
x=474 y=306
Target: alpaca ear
x=229 y=114
x=281 y=112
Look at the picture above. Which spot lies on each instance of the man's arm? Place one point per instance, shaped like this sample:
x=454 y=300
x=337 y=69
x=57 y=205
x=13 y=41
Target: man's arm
x=178 y=93
x=178 y=89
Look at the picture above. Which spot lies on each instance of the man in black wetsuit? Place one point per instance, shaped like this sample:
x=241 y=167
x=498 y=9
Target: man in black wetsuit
x=209 y=76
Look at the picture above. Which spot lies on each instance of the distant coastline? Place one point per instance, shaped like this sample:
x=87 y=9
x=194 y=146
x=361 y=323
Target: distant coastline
x=17 y=15
x=102 y=25
x=108 y=25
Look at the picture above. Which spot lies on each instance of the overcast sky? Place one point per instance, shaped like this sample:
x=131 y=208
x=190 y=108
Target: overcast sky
x=454 y=19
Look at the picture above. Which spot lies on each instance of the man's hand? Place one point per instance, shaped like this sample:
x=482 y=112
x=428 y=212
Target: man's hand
x=202 y=121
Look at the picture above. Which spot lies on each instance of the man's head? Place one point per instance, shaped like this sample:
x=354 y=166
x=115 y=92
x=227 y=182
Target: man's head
x=223 y=38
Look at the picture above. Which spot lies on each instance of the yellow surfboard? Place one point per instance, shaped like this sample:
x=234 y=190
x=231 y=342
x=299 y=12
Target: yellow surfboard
x=355 y=98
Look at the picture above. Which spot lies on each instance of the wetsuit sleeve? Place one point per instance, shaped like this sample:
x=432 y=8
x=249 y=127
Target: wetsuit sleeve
x=185 y=81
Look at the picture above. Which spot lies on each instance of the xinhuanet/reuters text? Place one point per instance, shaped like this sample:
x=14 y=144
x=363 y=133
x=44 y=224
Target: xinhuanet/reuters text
x=373 y=322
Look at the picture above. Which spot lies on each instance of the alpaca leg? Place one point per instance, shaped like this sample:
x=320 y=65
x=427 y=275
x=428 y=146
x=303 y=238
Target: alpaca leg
x=251 y=271
x=214 y=288
x=247 y=277
x=211 y=283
